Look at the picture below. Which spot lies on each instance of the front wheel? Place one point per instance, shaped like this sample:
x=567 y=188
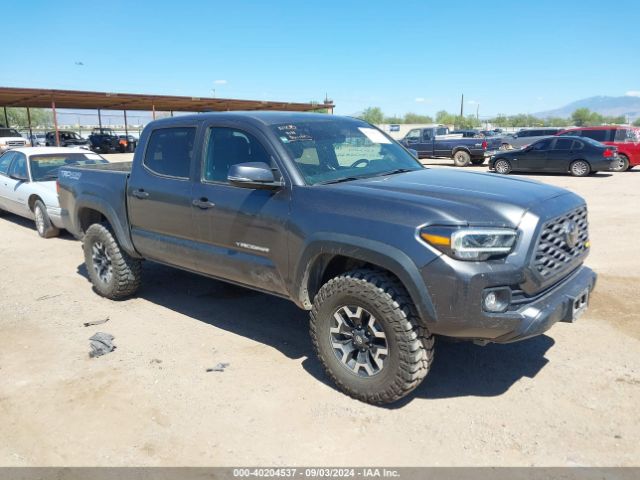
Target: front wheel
x=461 y=158
x=43 y=223
x=502 y=166
x=113 y=273
x=580 y=168
x=365 y=331
x=622 y=164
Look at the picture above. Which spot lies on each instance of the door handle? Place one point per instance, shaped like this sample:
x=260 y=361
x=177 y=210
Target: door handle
x=141 y=194
x=203 y=203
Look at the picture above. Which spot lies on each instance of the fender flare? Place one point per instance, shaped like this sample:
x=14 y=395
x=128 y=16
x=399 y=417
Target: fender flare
x=121 y=232
x=370 y=251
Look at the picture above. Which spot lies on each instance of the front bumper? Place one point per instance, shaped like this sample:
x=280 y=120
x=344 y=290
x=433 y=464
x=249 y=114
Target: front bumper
x=535 y=315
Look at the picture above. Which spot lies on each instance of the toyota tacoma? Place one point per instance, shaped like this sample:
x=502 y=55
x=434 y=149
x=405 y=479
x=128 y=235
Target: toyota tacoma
x=334 y=215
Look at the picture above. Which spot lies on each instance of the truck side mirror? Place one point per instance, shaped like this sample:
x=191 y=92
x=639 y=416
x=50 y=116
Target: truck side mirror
x=253 y=175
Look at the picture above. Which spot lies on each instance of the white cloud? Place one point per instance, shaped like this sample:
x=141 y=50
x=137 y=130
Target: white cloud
x=472 y=102
x=539 y=98
x=220 y=82
x=420 y=100
x=633 y=93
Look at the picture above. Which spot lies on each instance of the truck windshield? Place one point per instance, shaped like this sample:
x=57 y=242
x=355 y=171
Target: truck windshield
x=339 y=150
x=45 y=167
x=8 y=132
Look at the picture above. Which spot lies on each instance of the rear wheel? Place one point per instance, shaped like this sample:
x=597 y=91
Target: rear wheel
x=622 y=164
x=365 y=331
x=502 y=166
x=580 y=168
x=113 y=272
x=461 y=158
x=43 y=223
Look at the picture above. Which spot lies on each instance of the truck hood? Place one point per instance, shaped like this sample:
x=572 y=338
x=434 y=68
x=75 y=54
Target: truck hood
x=456 y=198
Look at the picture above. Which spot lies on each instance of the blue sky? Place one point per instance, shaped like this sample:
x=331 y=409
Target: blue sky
x=419 y=56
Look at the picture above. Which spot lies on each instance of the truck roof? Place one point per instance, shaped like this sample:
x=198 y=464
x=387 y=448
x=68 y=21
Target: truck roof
x=259 y=116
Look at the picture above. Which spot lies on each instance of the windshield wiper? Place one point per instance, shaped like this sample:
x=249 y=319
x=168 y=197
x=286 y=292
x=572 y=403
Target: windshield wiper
x=397 y=170
x=339 y=180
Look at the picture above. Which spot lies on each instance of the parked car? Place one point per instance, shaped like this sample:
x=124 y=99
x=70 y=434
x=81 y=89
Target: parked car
x=36 y=139
x=463 y=151
x=575 y=155
x=527 y=136
x=333 y=214
x=127 y=143
x=67 y=139
x=104 y=140
x=626 y=139
x=28 y=183
x=10 y=138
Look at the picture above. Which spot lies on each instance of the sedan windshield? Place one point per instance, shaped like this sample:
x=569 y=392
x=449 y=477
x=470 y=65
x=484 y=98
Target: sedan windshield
x=45 y=167
x=342 y=149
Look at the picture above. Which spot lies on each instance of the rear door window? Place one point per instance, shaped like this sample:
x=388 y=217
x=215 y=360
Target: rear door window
x=170 y=151
x=597 y=135
x=563 y=144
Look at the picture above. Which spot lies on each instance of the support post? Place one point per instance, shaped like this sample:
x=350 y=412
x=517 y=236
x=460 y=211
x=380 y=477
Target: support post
x=55 y=122
x=100 y=120
x=126 y=131
x=172 y=113
x=6 y=118
x=30 y=130
x=153 y=111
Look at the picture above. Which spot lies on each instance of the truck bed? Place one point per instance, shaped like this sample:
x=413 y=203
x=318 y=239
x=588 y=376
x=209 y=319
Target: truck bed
x=111 y=167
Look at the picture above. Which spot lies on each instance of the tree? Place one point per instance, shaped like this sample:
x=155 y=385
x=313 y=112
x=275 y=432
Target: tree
x=582 y=117
x=18 y=117
x=637 y=122
x=411 y=117
x=372 y=115
x=393 y=119
x=557 y=122
x=445 y=118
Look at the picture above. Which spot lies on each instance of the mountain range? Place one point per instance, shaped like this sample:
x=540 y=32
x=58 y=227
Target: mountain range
x=627 y=105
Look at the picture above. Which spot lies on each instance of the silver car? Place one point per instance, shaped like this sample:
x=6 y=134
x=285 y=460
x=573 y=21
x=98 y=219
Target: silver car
x=28 y=183
x=527 y=136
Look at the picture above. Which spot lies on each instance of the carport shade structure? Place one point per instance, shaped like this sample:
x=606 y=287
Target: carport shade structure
x=47 y=98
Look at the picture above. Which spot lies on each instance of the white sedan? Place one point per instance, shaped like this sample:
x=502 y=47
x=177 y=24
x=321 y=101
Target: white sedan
x=28 y=183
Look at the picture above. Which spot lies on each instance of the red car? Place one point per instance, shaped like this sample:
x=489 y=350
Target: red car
x=627 y=139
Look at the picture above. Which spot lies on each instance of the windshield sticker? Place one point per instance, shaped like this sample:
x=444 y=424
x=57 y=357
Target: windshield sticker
x=294 y=134
x=374 y=135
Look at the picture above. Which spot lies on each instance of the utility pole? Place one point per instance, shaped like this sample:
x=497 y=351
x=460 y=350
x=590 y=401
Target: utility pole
x=462 y=106
x=478 y=112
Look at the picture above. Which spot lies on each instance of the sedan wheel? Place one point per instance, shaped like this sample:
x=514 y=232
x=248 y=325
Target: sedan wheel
x=43 y=223
x=580 y=168
x=502 y=166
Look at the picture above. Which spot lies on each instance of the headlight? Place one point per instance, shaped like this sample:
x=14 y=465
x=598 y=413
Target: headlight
x=470 y=243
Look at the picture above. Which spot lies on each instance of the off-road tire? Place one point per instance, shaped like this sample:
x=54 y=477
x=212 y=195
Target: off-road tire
x=44 y=227
x=502 y=166
x=461 y=158
x=623 y=163
x=580 y=168
x=126 y=271
x=477 y=161
x=410 y=346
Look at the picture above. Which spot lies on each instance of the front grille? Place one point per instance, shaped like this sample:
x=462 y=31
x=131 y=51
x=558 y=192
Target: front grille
x=557 y=247
x=16 y=143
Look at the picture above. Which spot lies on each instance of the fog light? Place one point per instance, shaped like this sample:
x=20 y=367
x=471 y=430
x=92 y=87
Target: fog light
x=496 y=300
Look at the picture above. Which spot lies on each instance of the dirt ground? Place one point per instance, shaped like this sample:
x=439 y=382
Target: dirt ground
x=570 y=397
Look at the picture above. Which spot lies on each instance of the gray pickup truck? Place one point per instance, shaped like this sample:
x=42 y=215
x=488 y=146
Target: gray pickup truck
x=434 y=142
x=334 y=215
